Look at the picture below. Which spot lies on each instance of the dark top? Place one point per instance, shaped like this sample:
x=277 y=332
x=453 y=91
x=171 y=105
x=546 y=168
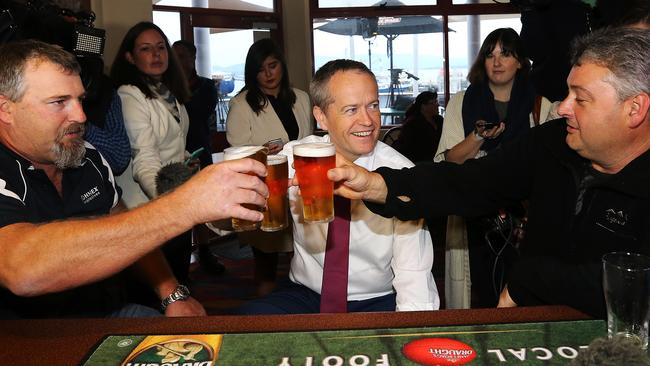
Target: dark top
x=201 y=111
x=419 y=138
x=479 y=104
x=27 y=195
x=572 y=222
x=285 y=113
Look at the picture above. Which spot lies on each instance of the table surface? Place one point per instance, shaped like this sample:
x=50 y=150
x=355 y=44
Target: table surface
x=67 y=341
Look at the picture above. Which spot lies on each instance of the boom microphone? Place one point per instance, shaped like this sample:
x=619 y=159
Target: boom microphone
x=171 y=176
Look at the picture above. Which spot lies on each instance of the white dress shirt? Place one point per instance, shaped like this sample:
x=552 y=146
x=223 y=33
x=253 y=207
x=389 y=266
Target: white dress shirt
x=386 y=255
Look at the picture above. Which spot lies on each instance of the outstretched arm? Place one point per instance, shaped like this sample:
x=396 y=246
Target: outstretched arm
x=37 y=259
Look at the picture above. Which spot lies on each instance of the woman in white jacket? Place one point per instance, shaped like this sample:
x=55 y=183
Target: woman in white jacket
x=153 y=89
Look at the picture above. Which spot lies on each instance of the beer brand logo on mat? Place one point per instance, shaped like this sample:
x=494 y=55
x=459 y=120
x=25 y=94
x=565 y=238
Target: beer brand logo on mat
x=173 y=352
x=438 y=351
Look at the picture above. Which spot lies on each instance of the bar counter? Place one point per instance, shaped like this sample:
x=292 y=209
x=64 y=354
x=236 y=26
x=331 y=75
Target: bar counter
x=68 y=341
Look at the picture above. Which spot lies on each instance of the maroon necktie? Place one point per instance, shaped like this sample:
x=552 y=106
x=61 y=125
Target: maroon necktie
x=334 y=289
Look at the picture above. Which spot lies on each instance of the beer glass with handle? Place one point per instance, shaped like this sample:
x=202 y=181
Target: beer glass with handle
x=239 y=152
x=312 y=161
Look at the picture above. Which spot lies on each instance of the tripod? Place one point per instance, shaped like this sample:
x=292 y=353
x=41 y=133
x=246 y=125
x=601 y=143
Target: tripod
x=395 y=87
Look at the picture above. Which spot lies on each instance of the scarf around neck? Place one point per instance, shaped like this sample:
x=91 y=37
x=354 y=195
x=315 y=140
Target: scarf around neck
x=478 y=104
x=168 y=99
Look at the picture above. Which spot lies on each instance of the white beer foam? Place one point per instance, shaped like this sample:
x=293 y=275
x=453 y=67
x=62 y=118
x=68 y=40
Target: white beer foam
x=314 y=149
x=275 y=159
x=239 y=152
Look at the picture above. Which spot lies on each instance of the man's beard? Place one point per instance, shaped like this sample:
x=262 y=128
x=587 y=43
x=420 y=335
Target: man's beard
x=70 y=155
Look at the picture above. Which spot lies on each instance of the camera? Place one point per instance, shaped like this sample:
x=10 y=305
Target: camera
x=47 y=22
x=74 y=31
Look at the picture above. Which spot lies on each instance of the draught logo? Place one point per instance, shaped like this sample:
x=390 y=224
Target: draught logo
x=438 y=351
x=189 y=350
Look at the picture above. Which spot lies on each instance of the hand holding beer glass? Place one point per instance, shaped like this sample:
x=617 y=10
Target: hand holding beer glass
x=311 y=162
x=277 y=206
x=239 y=152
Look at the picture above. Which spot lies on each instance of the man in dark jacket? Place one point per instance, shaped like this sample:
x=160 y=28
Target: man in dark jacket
x=586 y=177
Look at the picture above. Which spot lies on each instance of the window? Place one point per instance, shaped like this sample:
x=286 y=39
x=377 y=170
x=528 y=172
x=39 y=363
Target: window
x=465 y=41
x=364 y=3
x=222 y=31
x=265 y=6
x=404 y=52
x=170 y=23
x=421 y=60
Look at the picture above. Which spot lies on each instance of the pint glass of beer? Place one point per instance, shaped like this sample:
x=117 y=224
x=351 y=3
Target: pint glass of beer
x=312 y=161
x=239 y=152
x=277 y=205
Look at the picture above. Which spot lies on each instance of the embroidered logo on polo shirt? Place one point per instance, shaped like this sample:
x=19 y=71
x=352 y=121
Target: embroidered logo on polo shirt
x=90 y=195
x=616 y=217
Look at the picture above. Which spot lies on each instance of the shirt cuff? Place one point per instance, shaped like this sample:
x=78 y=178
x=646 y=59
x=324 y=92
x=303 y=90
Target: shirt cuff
x=397 y=184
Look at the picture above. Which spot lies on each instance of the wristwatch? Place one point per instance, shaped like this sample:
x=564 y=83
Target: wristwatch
x=180 y=293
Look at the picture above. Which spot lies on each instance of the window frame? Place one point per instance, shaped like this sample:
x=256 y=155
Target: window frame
x=443 y=9
x=225 y=18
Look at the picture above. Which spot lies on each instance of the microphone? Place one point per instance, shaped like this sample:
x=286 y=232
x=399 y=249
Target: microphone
x=612 y=352
x=409 y=75
x=171 y=176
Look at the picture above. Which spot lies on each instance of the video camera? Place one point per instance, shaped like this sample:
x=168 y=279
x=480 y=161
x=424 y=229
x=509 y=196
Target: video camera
x=47 y=22
x=74 y=31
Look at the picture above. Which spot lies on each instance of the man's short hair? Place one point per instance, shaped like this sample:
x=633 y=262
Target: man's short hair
x=318 y=87
x=188 y=46
x=14 y=56
x=624 y=51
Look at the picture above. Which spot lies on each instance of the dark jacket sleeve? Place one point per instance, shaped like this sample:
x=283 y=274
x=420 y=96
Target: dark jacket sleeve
x=477 y=187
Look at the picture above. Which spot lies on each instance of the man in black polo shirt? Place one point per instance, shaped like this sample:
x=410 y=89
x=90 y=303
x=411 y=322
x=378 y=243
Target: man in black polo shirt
x=60 y=246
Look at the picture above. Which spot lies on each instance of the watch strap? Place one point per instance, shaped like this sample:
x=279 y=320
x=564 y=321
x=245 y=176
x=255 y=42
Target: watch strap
x=179 y=294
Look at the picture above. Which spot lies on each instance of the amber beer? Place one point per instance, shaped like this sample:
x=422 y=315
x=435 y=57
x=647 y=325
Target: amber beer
x=277 y=205
x=312 y=161
x=239 y=152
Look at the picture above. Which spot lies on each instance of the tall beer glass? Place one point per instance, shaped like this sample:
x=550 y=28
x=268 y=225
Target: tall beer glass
x=277 y=205
x=312 y=161
x=239 y=152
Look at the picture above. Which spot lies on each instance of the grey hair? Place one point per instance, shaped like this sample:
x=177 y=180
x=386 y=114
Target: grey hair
x=624 y=51
x=14 y=57
x=318 y=88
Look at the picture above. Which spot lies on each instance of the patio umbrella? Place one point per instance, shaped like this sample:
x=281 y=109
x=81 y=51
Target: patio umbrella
x=389 y=27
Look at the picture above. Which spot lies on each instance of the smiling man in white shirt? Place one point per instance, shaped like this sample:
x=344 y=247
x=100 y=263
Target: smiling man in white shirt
x=389 y=260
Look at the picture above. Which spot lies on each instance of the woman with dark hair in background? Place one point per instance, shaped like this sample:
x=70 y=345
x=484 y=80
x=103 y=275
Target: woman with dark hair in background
x=267 y=107
x=499 y=105
x=422 y=127
x=267 y=111
x=152 y=88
